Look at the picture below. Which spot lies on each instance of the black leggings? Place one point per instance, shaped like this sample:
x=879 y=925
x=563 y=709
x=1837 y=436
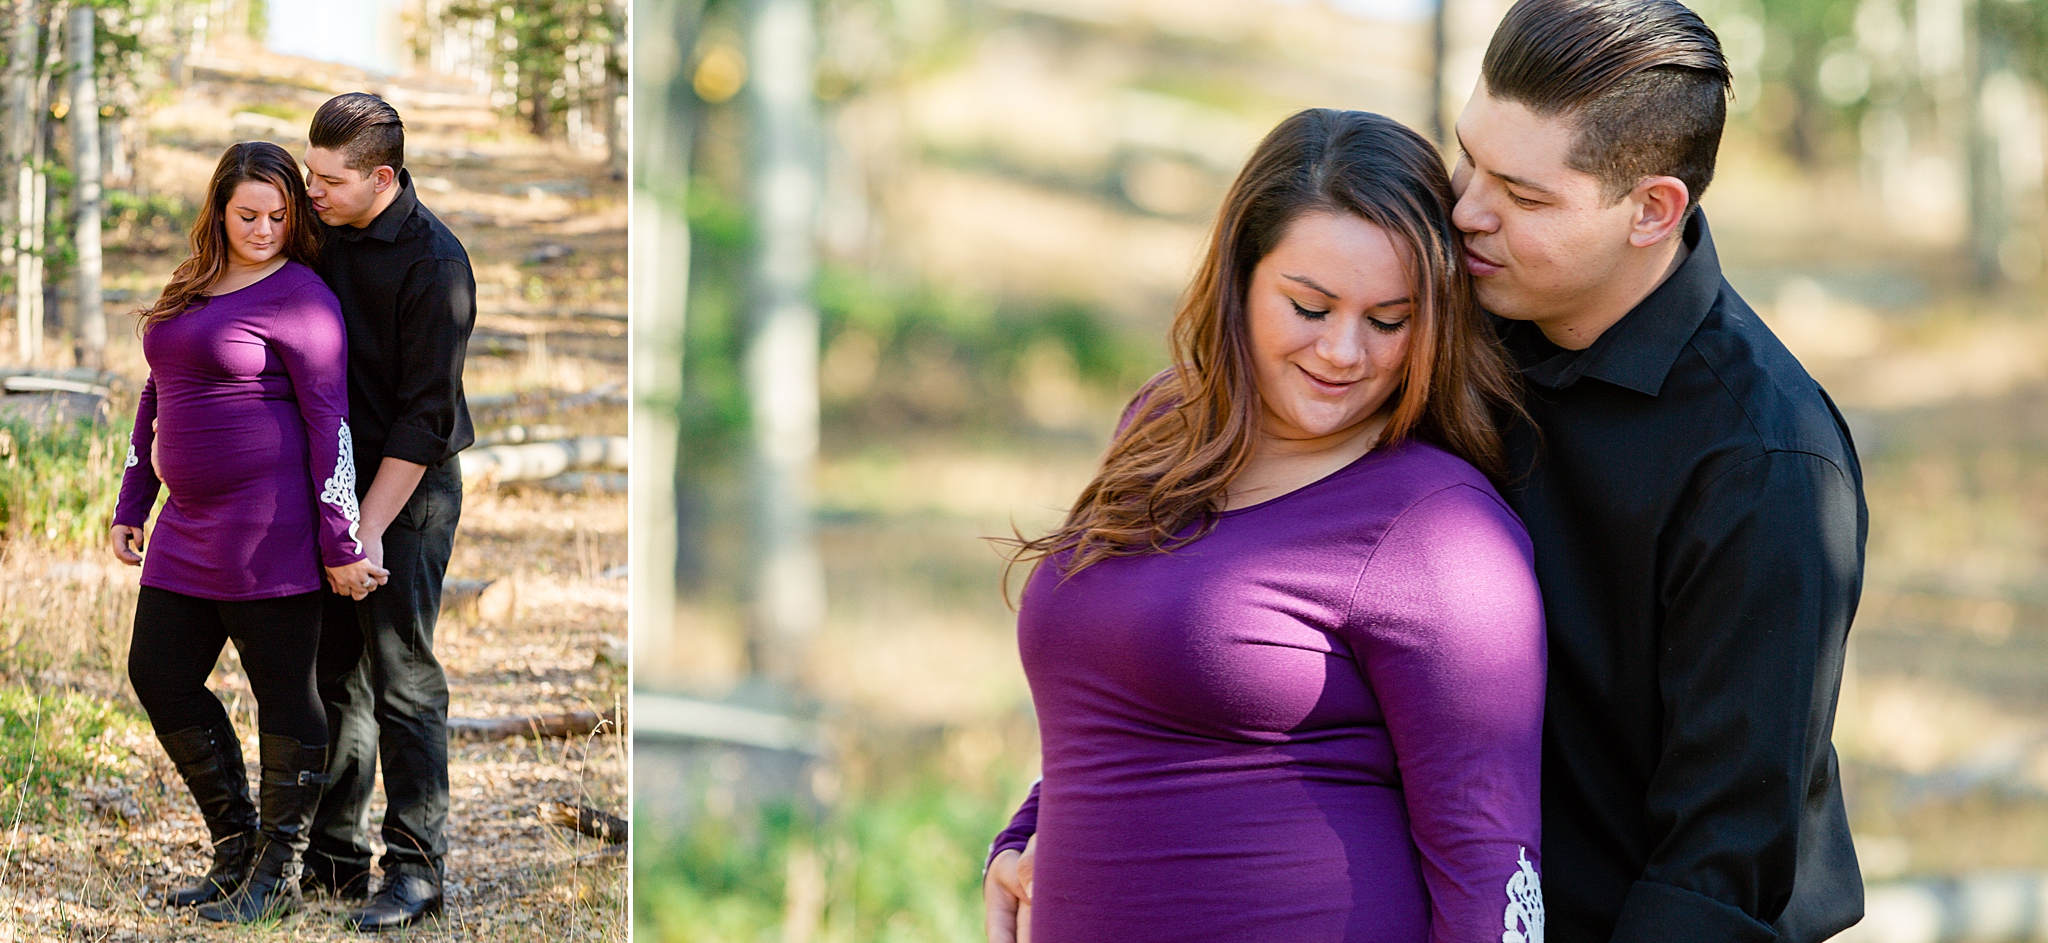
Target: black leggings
x=178 y=639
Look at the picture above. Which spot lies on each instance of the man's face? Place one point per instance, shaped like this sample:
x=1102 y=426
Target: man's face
x=1541 y=239
x=342 y=196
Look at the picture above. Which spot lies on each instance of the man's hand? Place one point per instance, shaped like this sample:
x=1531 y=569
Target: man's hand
x=357 y=579
x=1007 y=893
x=127 y=541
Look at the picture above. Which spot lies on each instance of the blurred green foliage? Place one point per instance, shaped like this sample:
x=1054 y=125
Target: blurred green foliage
x=902 y=866
x=543 y=49
x=58 y=484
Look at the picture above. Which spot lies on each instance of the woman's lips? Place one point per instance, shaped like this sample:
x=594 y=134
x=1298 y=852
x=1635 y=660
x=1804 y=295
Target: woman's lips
x=1481 y=266
x=1332 y=387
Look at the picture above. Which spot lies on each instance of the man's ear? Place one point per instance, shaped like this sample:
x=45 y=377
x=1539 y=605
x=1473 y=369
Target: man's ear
x=1660 y=204
x=385 y=177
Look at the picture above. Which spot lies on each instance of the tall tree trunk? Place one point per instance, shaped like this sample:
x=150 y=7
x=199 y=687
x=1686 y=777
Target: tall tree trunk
x=85 y=159
x=20 y=182
x=663 y=117
x=782 y=349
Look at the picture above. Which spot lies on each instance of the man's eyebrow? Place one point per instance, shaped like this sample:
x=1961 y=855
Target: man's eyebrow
x=1522 y=182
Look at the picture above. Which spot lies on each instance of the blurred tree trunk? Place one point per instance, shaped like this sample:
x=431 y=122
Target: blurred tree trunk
x=788 y=584
x=24 y=136
x=662 y=121
x=85 y=160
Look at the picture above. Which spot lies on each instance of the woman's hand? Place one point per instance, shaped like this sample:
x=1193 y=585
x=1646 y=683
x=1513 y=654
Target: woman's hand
x=357 y=579
x=1007 y=893
x=127 y=541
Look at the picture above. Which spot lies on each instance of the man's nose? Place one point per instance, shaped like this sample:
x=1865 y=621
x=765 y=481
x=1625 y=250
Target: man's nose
x=1469 y=215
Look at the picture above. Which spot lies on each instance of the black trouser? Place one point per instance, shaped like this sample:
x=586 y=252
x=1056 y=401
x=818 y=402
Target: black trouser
x=178 y=639
x=387 y=697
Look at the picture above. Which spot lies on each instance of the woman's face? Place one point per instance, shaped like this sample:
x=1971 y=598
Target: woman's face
x=255 y=223
x=1330 y=311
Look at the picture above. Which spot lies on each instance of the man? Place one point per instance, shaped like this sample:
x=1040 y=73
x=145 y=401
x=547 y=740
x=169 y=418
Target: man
x=409 y=300
x=1694 y=497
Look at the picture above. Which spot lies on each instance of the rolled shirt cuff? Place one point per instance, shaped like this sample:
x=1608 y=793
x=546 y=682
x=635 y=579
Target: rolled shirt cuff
x=416 y=445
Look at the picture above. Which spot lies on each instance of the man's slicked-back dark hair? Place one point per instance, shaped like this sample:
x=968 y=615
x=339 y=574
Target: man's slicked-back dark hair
x=1643 y=82
x=364 y=128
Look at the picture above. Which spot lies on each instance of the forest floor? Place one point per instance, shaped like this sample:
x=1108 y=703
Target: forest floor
x=95 y=826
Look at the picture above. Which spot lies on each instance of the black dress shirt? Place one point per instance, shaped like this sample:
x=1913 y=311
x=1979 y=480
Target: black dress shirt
x=1697 y=511
x=409 y=299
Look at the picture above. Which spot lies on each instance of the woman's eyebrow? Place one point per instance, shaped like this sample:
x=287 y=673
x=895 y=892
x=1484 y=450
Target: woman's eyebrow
x=1305 y=280
x=1404 y=299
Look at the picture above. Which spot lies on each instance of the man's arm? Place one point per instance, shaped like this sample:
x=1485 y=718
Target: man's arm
x=1759 y=592
x=396 y=479
x=436 y=310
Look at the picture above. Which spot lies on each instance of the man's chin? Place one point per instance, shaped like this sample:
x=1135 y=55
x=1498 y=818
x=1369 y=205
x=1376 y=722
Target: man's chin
x=1496 y=302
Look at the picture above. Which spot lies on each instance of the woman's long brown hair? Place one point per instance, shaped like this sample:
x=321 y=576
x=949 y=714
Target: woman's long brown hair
x=259 y=161
x=1191 y=432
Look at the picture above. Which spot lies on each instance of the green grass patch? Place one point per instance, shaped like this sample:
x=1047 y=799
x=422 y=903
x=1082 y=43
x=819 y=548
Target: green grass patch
x=50 y=743
x=900 y=867
x=58 y=485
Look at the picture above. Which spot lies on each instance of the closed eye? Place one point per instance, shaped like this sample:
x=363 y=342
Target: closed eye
x=1388 y=327
x=1306 y=312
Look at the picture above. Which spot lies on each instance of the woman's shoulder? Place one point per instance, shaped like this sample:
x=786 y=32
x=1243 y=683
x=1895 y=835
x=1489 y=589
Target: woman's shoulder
x=301 y=284
x=1422 y=468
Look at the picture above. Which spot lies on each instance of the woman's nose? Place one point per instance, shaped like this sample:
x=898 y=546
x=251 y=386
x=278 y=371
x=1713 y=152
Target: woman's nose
x=1343 y=342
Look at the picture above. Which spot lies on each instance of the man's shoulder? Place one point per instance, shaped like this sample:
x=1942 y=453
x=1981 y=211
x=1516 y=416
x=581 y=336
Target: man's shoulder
x=433 y=236
x=1747 y=372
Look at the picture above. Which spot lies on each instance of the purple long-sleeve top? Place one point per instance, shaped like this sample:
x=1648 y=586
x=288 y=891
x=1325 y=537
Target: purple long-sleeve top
x=1320 y=721
x=247 y=409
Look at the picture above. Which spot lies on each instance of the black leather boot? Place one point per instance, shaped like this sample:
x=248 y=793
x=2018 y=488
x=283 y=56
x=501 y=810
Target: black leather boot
x=292 y=777
x=410 y=893
x=209 y=759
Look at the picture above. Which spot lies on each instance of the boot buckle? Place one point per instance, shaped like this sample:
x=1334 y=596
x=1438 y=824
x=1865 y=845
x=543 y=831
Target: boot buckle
x=309 y=778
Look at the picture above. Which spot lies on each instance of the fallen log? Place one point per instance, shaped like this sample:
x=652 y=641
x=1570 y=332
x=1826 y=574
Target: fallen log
x=561 y=726
x=584 y=820
x=537 y=460
x=535 y=404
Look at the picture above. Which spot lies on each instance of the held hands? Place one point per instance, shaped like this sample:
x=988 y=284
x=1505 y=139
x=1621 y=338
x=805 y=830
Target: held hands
x=127 y=542
x=1007 y=894
x=349 y=580
x=357 y=579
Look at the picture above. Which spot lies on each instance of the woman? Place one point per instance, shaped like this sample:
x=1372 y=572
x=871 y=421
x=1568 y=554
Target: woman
x=244 y=422
x=1287 y=649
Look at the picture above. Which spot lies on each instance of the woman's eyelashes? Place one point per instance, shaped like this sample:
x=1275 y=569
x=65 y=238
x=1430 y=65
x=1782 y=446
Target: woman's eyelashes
x=1384 y=327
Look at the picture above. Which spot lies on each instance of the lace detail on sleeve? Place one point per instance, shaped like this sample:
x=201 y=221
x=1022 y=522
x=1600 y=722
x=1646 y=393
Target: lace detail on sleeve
x=1524 y=917
x=132 y=460
x=340 y=489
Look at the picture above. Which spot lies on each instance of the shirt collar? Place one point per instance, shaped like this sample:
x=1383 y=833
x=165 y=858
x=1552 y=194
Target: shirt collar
x=386 y=226
x=1640 y=349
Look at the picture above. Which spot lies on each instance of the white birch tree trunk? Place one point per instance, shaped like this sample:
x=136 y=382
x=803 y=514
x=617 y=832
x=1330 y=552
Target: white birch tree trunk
x=19 y=174
x=782 y=349
x=659 y=137
x=85 y=157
